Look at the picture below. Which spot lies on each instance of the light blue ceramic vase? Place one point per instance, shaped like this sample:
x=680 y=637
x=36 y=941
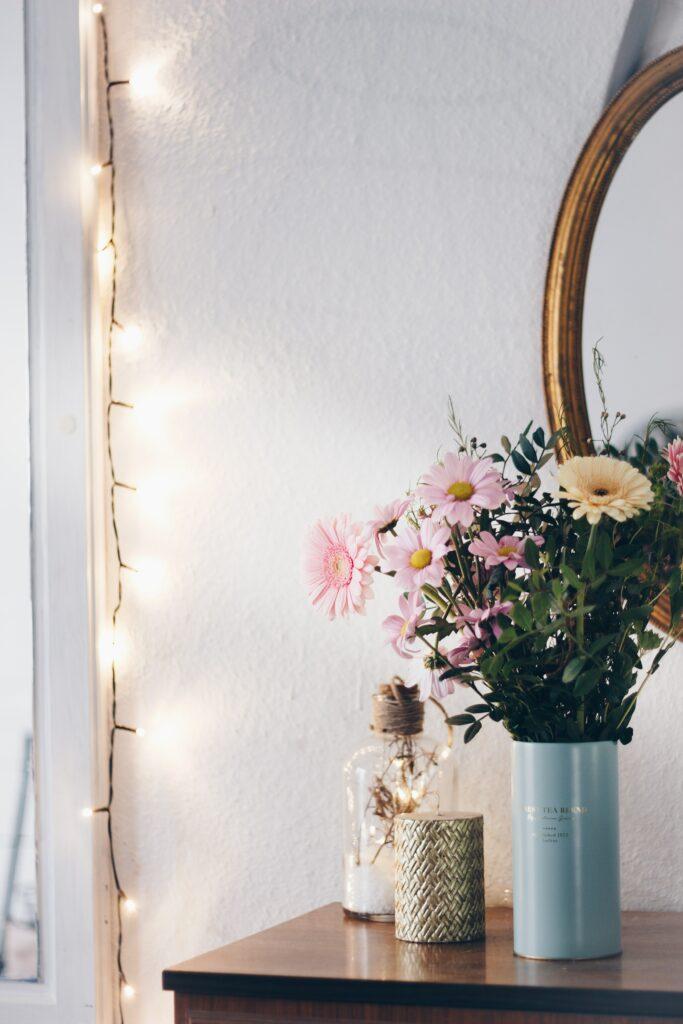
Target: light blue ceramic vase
x=565 y=823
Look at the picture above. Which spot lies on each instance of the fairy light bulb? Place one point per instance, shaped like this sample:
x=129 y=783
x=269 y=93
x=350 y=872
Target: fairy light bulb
x=127 y=990
x=87 y=812
x=129 y=905
x=97 y=8
x=149 y=578
x=130 y=337
x=143 y=80
x=140 y=732
x=96 y=169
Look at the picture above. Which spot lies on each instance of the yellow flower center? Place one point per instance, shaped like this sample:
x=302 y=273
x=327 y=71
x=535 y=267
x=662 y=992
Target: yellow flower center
x=461 y=490
x=506 y=549
x=421 y=559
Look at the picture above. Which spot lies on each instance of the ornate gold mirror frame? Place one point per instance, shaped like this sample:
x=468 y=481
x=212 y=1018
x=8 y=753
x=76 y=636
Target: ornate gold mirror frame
x=565 y=284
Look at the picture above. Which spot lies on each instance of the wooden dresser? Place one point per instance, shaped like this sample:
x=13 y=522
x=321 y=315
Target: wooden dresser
x=322 y=968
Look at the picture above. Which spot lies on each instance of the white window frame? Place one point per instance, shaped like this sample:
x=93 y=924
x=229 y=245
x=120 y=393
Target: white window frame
x=75 y=982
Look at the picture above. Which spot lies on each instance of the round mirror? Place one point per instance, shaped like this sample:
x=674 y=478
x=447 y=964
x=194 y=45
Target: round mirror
x=613 y=300
x=633 y=302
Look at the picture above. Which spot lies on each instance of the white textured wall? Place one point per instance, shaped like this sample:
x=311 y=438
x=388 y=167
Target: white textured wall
x=334 y=215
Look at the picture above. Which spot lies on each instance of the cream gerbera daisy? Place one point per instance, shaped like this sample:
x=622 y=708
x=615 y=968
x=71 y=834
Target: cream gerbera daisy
x=595 y=486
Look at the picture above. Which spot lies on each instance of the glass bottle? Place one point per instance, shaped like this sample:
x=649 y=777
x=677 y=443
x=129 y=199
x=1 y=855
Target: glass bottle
x=397 y=769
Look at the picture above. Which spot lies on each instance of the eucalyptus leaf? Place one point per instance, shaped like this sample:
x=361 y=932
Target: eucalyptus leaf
x=520 y=463
x=527 y=448
x=471 y=731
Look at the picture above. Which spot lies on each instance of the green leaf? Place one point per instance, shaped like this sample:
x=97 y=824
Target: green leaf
x=649 y=640
x=601 y=643
x=472 y=731
x=480 y=709
x=539 y=437
x=632 y=567
x=507 y=635
x=520 y=463
x=521 y=615
x=540 y=605
x=455 y=673
x=505 y=442
x=604 y=550
x=570 y=577
x=588 y=680
x=588 y=564
x=527 y=448
x=572 y=668
x=531 y=554
x=461 y=719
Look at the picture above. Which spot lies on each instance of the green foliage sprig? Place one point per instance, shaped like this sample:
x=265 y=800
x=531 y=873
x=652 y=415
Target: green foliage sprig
x=563 y=664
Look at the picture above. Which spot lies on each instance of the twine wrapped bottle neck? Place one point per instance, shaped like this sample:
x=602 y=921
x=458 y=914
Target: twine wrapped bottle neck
x=397 y=709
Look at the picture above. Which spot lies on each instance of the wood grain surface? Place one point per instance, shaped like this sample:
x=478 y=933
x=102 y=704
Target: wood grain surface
x=323 y=957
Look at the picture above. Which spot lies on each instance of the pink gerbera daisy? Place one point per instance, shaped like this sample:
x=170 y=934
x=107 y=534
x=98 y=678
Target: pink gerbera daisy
x=402 y=628
x=482 y=622
x=508 y=550
x=386 y=519
x=338 y=566
x=673 y=453
x=460 y=484
x=417 y=557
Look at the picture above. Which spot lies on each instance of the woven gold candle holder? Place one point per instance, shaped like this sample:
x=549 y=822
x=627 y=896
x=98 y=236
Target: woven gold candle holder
x=440 y=877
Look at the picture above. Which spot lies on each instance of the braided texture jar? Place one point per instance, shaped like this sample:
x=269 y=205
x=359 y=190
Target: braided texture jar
x=440 y=877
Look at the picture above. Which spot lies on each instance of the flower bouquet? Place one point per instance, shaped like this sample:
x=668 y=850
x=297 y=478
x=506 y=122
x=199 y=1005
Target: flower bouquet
x=539 y=599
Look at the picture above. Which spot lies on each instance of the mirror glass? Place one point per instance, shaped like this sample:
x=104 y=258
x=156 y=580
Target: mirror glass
x=18 y=891
x=633 y=302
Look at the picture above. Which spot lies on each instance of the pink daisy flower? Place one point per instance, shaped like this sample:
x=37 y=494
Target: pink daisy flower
x=482 y=621
x=440 y=688
x=402 y=628
x=430 y=685
x=673 y=453
x=386 y=519
x=508 y=550
x=338 y=566
x=418 y=556
x=467 y=650
x=459 y=485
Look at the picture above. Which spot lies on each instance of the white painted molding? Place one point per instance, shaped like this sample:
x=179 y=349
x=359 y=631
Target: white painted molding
x=62 y=525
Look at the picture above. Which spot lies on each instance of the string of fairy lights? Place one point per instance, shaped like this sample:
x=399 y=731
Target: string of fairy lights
x=115 y=331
